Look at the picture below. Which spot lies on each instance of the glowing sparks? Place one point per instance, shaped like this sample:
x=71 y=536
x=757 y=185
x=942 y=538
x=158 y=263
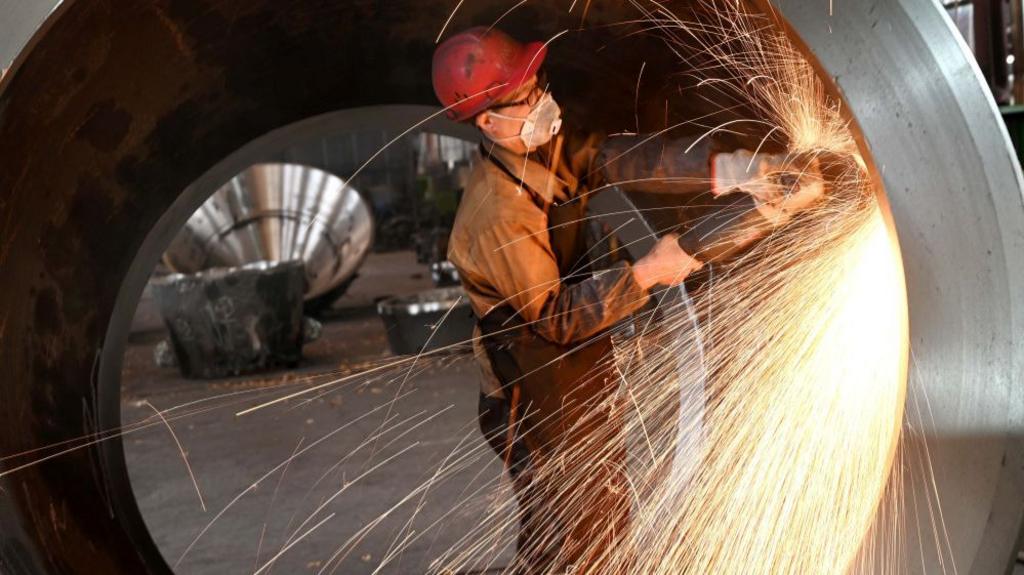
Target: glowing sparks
x=759 y=439
x=772 y=454
x=801 y=421
x=181 y=450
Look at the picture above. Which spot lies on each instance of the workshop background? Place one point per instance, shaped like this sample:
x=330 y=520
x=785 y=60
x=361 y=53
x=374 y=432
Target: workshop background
x=324 y=258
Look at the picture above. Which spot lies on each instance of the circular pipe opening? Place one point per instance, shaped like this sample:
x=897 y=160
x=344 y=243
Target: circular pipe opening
x=96 y=159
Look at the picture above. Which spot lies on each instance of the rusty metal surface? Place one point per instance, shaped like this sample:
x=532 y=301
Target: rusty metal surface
x=116 y=107
x=111 y=112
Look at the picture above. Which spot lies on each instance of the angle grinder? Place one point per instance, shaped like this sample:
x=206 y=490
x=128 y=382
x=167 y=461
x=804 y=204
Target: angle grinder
x=782 y=188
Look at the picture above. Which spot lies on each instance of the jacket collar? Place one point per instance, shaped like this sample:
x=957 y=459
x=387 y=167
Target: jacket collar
x=532 y=171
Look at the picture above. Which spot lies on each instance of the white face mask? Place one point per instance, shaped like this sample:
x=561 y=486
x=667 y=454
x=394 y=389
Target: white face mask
x=541 y=124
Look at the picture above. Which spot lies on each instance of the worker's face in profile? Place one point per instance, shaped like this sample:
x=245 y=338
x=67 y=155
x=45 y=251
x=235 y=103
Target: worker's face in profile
x=503 y=123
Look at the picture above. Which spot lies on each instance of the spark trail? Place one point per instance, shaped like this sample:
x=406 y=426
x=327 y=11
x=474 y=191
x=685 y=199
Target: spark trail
x=776 y=454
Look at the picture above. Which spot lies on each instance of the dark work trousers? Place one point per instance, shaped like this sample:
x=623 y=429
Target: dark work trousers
x=495 y=415
x=567 y=459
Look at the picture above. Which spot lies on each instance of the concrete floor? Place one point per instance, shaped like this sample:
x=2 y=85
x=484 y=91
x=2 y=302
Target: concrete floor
x=228 y=454
x=367 y=477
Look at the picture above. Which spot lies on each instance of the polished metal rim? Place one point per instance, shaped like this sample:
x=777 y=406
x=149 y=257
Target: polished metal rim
x=953 y=185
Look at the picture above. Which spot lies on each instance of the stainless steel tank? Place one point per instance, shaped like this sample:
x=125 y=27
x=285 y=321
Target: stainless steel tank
x=279 y=212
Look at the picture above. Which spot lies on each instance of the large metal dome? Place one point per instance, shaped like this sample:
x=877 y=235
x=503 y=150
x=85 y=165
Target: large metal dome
x=279 y=212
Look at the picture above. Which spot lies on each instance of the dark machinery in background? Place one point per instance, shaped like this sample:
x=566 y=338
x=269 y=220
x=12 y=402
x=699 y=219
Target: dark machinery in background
x=274 y=236
x=119 y=117
x=994 y=30
x=229 y=320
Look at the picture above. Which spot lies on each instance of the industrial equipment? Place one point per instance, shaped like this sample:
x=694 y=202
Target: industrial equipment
x=280 y=212
x=428 y=320
x=115 y=108
x=227 y=321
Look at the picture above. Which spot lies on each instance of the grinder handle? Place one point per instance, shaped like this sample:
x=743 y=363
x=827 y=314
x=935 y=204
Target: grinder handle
x=732 y=223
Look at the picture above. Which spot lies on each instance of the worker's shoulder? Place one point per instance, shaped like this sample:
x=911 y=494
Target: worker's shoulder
x=493 y=207
x=580 y=140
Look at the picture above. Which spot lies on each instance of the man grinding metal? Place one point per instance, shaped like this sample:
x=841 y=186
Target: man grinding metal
x=519 y=243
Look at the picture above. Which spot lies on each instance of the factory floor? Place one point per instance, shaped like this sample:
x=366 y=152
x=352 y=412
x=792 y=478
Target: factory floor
x=370 y=470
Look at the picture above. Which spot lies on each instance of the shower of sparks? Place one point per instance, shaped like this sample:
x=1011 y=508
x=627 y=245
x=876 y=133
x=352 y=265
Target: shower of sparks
x=784 y=469
x=756 y=431
x=775 y=453
x=448 y=21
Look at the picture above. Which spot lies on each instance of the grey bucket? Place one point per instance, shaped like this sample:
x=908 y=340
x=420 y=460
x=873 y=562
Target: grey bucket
x=414 y=323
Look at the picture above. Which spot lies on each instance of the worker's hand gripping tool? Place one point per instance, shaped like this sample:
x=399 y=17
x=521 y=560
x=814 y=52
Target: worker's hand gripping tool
x=751 y=196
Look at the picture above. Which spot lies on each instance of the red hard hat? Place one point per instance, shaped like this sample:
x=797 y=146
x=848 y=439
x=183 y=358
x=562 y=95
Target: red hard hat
x=475 y=68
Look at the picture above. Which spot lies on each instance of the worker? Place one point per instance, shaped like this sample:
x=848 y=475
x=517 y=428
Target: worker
x=543 y=316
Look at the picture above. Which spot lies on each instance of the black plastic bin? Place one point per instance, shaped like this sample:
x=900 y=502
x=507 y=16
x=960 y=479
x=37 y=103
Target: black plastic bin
x=227 y=321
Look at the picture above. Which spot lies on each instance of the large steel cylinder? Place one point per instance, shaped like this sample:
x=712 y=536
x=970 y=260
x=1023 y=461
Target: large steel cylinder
x=116 y=108
x=953 y=183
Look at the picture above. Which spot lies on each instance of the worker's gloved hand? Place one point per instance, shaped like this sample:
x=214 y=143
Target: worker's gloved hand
x=665 y=264
x=782 y=184
x=730 y=171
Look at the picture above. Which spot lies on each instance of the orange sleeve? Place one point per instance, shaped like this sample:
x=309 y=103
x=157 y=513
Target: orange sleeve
x=516 y=257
